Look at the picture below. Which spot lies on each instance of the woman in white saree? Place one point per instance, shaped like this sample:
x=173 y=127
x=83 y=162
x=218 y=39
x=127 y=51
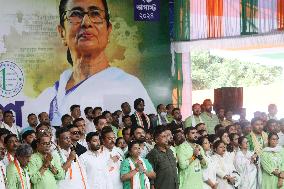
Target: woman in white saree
x=247 y=164
x=227 y=176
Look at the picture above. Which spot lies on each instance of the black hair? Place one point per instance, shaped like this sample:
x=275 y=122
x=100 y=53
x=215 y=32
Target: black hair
x=69 y=127
x=60 y=131
x=130 y=145
x=188 y=129
x=175 y=109
x=96 y=119
x=253 y=120
x=97 y=108
x=201 y=140
x=27 y=133
x=64 y=117
x=271 y=121
x=7 y=112
x=6 y=139
x=106 y=130
x=241 y=139
x=42 y=124
x=124 y=130
x=39 y=115
x=158 y=130
x=4 y=131
x=121 y=106
x=216 y=144
x=217 y=127
x=228 y=128
x=212 y=138
x=77 y=120
x=270 y=135
x=74 y=106
x=32 y=114
x=90 y=135
x=231 y=136
x=168 y=106
x=159 y=106
x=221 y=133
x=133 y=129
x=124 y=117
x=195 y=105
x=87 y=109
x=199 y=124
x=116 y=142
x=105 y=113
x=137 y=102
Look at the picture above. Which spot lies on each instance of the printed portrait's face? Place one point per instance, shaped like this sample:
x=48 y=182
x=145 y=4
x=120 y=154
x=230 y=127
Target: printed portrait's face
x=85 y=36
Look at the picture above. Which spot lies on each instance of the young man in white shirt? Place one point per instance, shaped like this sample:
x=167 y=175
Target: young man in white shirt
x=96 y=163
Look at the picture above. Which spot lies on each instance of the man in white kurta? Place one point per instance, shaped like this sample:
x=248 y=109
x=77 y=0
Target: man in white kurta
x=106 y=89
x=75 y=175
x=96 y=163
x=9 y=123
x=115 y=155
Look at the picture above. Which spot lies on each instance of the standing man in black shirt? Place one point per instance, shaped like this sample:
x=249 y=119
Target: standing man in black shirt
x=163 y=161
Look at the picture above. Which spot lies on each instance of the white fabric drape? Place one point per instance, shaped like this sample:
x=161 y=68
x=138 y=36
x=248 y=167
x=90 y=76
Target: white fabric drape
x=198 y=19
x=231 y=18
x=267 y=14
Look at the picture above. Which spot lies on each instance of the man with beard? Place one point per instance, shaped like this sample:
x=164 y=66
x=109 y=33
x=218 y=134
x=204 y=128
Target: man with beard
x=178 y=138
x=32 y=121
x=177 y=122
x=163 y=161
x=44 y=168
x=138 y=133
x=170 y=140
x=11 y=142
x=75 y=174
x=139 y=118
x=96 y=163
x=115 y=155
x=257 y=138
x=90 y=127
x=191 y=160
x=2 y=166
x=162 y=115
x=210 y=119
x=194 y=119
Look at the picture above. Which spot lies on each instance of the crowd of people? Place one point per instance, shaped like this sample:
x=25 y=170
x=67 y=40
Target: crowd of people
x=105 y=150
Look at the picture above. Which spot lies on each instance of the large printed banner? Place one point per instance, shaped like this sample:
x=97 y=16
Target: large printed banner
x=35 y=75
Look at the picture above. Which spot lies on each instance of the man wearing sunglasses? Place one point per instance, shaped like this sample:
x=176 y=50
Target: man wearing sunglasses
x=75 y=137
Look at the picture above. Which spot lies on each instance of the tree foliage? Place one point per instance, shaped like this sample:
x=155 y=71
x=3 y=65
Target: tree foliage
x=210 y=72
